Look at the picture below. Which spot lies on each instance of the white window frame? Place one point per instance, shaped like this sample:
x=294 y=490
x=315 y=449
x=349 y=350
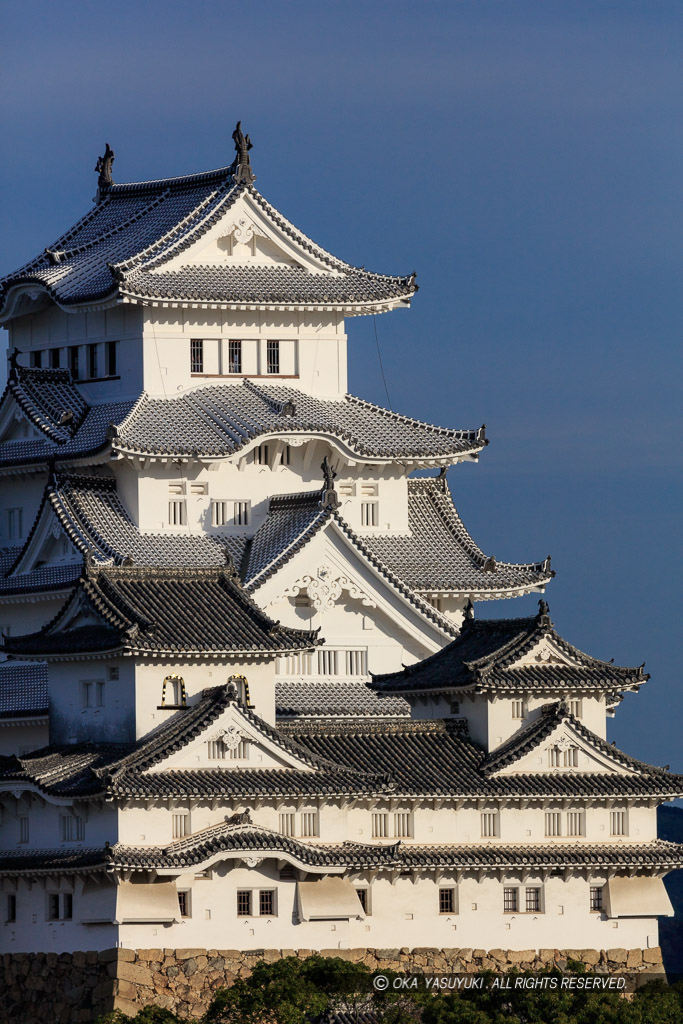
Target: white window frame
x=220 y=514
x=235 y=363
x=181 y=826
x=241 y=513
x=369 y=514
x=287 y=823
x=618 y=823
x=576 y=824
x=196 y=355
x=490 y=824
x=92 y=693
x=15 y=523
x=273 y=354
x=71 y=828
x=380 y=824
x=553 y=824
x=177 y=512
x=519 y=709
x=310 y=824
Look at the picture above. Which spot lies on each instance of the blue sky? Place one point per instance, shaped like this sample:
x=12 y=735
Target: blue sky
x=523 y=157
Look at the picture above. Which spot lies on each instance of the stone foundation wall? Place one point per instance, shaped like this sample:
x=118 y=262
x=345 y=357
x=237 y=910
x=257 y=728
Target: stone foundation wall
x=66 y=988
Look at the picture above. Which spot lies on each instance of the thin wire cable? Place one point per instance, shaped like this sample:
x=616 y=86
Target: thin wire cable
x=379 y=356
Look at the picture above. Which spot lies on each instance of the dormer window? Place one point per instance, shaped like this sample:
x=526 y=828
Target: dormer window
x=173 y=693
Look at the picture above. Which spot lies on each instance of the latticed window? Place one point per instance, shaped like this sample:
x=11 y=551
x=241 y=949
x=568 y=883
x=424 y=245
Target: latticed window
x=219 y=513
x=309 y=824
x=180 y=825
x=71 y=828
x=92 y=361
x=553 y=823
x=240 y=515
x=403 y=825
x=369 y=513
x=489 y=824
x=234 y=357
x=576 y=708
x=575 y=823
x=446 y=901
x=518 y=709
x=266 y=902
x=177 y=512
x=273 y=356
x=262 y=455
x=240 y=752
x=355 y=663
x=571 y=757
x=73 y=361
x=618 y=823
x=554 y=757
x=196 y=356
x=244 y=902
x=510 y=900
x=327 y=663
x=23 y=829
x=217 y=750
x=287 y=823
x=380 y=825
x=596 y=897
x=533 y=900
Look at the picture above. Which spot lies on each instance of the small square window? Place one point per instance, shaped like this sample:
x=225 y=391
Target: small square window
x=489 y=824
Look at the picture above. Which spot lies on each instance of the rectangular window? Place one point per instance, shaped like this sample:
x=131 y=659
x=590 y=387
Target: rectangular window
x=576 y=708
x=262 y=455
x=571 y=757
x=518 y=709
x=216 y=750
x=23 y=828
x=73 y=361
x=369 y=513
x=266 y=902
x=92 y=694
x=240 y=513
x=60 y=906
x=554 y=756
x=309 y=824
x=219 y=513
x=510 y=900
x=234 y=357
x=380 y=825
x=37 y=358
x=196 y=356
x=273 y=356
x=180 y=825
x=533 y=900
x=185 y=902
x=286 y=456
x=15 y=523
x=295 y=664
x=446 y=901
x=240 y=752
x=92 y=361
x=356 y=663
x=364 y=899
x=110 y=358
x=403 y=825
x=177 y=512
x=575 y=823
x=489 y=824
x=11 y=908
x=71 y=828
x=618 y=823
x=553 y=823
x=244 y=902
x=53 y=906
x=596 y=897
x=287 y=823
x=54 y=358
x=327 y=663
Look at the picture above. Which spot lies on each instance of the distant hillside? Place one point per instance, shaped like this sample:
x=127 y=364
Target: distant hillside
x=670 y=826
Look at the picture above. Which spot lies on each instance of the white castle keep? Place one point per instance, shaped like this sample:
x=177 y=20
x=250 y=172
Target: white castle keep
x=244 y=698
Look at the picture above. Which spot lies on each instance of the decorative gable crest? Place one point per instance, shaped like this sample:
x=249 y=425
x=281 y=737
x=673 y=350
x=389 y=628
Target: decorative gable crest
x=325 y=588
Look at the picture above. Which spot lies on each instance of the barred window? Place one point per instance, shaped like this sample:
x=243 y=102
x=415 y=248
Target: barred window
x=363 y=899
x=553 y=823
x=287 y=823
x=219 y=513
x=575 y=823
x=446 y=901
x=554 y=757
x=92 y=361
x=73 y=361
x=196 y=356
x=489 y=824
x=596 y=897
x=177 y=512
x=309 y=824
x=576 y=708
x=266 y=902
x=510 y=900
x=217 y=750
x=356 y=663
x=241 y=513
x=180 y=825
x=618 y=823
x=369 y=513
x=234 y=357
x=71 y=828
x=184 y=903
x=273 y=356
x=327 y=663
x=380 y=825
x=403 y=825
x=244 y=902
x=23 y=829
x=533 y=900
x=571 y=757
x=240 y=752
x=518 y=709
x=60 y=906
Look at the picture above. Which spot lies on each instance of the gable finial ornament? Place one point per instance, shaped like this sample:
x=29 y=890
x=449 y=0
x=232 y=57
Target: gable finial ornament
x=329 y=497
x=543 y=617
x=104 y=167
x=469 y=611
x=241 y=166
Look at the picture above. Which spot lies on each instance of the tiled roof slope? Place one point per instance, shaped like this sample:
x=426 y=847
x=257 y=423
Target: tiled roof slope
x=440 y=555
x=121 y=247
x=23 y=690
x=171 y=611
x=481 y=656
x=233 y=840
x=338 y=699
x=220 y=419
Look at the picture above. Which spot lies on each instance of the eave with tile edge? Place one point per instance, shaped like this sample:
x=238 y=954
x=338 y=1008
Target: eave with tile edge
x=138 y=609
x=490 y=657
x=99 y=262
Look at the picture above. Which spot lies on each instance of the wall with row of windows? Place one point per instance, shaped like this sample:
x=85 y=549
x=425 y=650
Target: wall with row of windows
x=90 y=362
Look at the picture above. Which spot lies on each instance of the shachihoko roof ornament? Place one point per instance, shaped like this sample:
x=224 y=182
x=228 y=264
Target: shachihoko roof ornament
x=241 y=166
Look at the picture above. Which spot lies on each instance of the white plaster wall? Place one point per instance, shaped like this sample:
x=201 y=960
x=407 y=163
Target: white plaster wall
x=24 y=491
x=20 y=739
x=501 y=724
x=71 y=722
x=34 y=933
x=28 y=613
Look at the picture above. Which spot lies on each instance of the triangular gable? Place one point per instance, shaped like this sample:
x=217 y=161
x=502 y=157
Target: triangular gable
x=544 y=650
x=15 y=425
x=49 y=542
x=566 y=749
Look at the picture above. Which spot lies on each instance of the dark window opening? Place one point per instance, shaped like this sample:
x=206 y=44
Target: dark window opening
x=273 y=353
x=110 y=357
x=234 y=357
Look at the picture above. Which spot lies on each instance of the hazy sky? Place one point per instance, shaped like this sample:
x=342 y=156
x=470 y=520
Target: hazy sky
x=523 y=157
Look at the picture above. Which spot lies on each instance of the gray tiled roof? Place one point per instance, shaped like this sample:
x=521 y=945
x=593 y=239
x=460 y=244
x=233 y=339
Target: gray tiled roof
x=23 y=690
x=440 y=555
x=121 y=247
x=181 y=611
x=480 y=658
x=220 y=419
x=338 y=699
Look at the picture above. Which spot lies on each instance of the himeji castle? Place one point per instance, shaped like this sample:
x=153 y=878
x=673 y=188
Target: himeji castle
x=245 y=701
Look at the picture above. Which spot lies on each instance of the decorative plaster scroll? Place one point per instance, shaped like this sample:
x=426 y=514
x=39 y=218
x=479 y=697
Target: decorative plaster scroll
x=56 y=530
x=231 y=737
x=325 y=588
x=252 y=862
x=244 y=230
